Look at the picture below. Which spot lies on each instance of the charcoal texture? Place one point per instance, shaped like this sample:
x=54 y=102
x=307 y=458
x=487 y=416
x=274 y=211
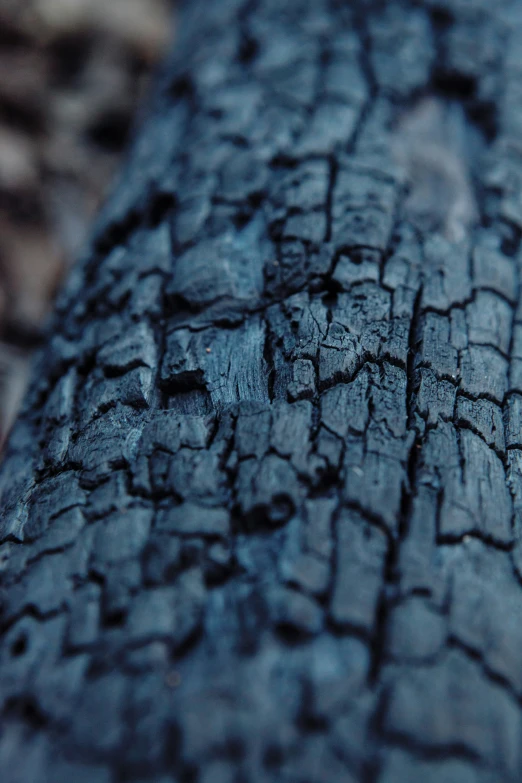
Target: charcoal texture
x=262 y=511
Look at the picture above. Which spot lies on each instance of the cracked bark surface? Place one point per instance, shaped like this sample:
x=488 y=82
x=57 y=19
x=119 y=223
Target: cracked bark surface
x=261 y=512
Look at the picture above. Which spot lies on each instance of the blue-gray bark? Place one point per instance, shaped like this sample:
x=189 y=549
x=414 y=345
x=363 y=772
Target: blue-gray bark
x=261 y=512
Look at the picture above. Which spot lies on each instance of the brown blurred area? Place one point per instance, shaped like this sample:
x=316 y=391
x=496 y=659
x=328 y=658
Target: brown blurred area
x=71 y=75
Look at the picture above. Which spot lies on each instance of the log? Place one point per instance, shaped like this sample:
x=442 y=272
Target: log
x=261 y=511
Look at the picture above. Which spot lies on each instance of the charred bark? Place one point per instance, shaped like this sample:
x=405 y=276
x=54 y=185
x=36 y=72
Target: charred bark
x=261 y=513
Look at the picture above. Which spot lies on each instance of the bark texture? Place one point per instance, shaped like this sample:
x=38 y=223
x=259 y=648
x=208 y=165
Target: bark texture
x=261 y=515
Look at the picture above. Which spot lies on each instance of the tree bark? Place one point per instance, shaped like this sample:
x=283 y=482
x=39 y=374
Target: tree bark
x=261 y=512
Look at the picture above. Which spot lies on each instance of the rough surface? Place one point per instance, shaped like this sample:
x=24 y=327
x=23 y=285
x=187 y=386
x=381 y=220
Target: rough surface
x=261 y=514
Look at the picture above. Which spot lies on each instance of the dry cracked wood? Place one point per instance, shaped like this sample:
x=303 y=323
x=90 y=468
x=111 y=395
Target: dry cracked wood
x=261 y=513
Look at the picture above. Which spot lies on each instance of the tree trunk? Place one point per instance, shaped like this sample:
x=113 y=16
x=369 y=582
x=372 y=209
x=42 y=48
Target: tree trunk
x=261 y=513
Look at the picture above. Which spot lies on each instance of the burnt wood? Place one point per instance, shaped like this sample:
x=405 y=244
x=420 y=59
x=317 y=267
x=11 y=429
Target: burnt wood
x=261 y=512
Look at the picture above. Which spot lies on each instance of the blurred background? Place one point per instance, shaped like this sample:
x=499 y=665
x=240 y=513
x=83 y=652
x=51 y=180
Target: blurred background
x=72 y=73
